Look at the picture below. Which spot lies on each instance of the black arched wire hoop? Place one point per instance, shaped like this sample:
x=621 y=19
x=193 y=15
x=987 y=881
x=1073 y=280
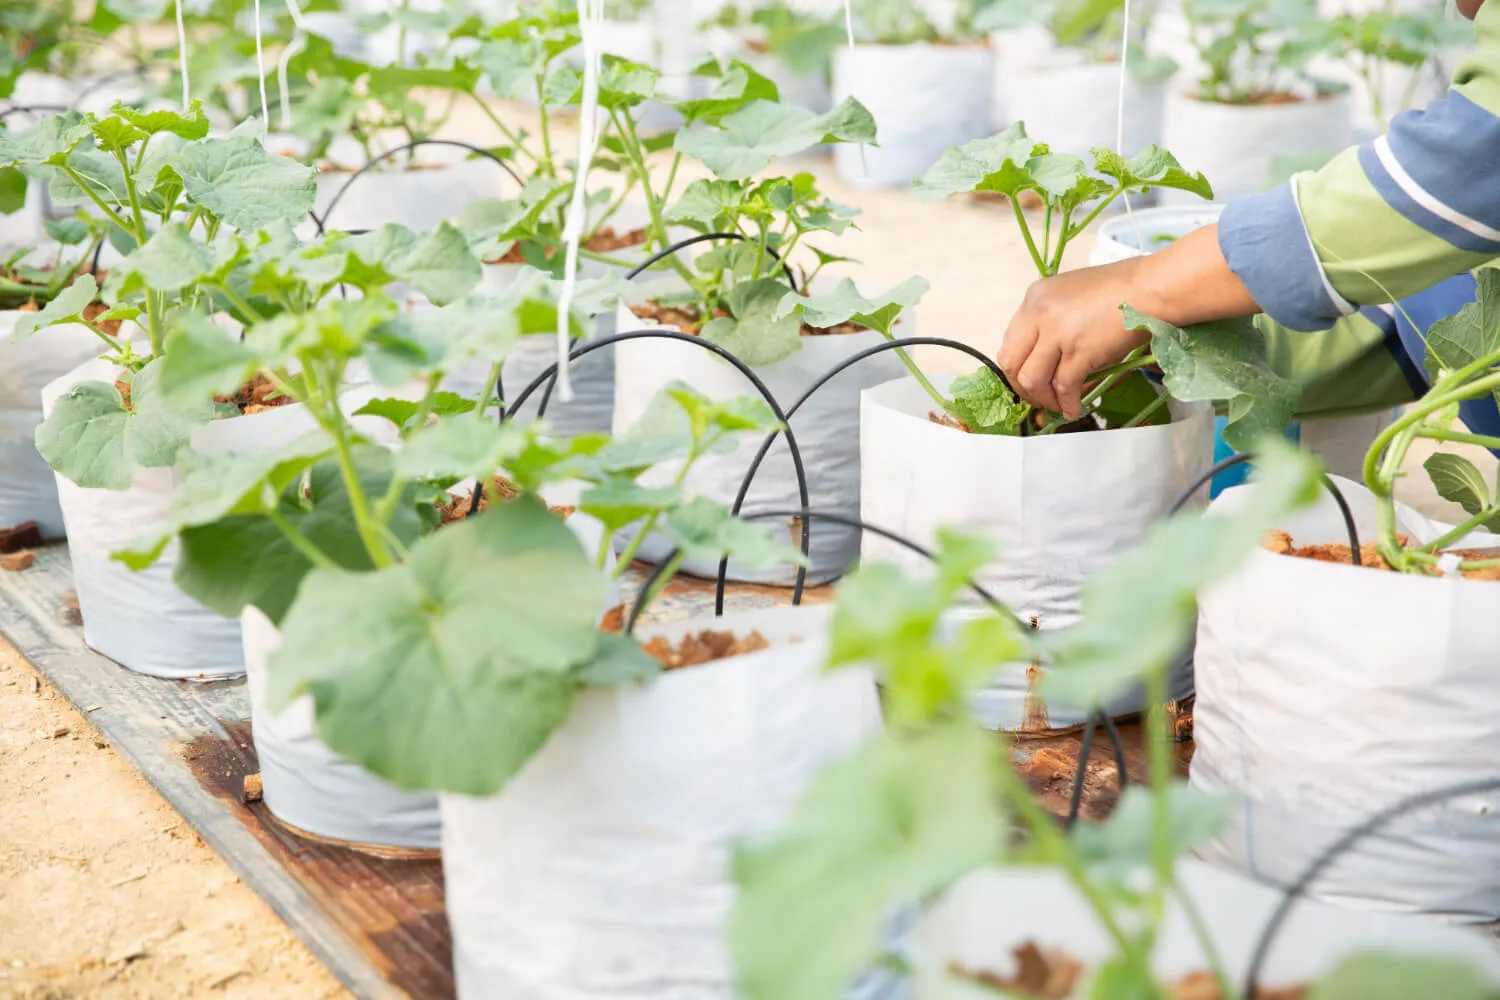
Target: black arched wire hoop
x=842 y=366
x=549 y=377
x=836 y=517
x=1334 y=851
x=138 y=72
x=338 y=196
x=1241 y=459
x=33 y=109
x=661 y=255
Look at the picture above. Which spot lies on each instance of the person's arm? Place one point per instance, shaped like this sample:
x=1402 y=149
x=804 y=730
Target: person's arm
x=1380 y=222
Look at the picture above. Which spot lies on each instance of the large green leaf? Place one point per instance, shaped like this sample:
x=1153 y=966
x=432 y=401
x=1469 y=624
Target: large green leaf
x=202 y=360
x=756 y=332
x=91 y=438
x=1120 y=849
x=994 y=164
x=902 y=817
x=844 y=303
x=1386 y=976
x=1456 y=341
x=1152 y=167
x=190 y=125
x=244 y=186
x=747 y=140
x=438 y=264
x=461 y=449
x=1224 y=361
x=618 y=501
x=1139 y=611
x=706 y=532
x=737 y=85
x=173 y=259
x=1459 y=481
x=985 y=405
x=66 y=307
x=450 y=670
x=50 y=140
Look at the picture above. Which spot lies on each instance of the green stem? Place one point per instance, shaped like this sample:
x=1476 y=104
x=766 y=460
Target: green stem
x=1479 y=564
x=511 y=137
x=1148 y=410
x=109 y=213
x=324 y=405
x=385 y=508
x=299 y=541
x=666 y=190
x=1458 y=531
x=1159 y=776
x=489 y=391
x=1483 y=440
x=1206 y=942
x=1075 y=230
x=632 y=143
x=248 y=313
x=916 y=373
x=1036 y=258
x=546 y=166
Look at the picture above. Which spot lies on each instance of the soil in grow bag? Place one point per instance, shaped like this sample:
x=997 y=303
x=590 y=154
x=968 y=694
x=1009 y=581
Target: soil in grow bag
x=605 y=240
x=703 y=647
x=1053 y=974
x=1280 y=543
x=256 y=396
x=689 y=319
x=457 y=506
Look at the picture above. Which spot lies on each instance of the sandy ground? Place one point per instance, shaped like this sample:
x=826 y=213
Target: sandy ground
x=105 y=893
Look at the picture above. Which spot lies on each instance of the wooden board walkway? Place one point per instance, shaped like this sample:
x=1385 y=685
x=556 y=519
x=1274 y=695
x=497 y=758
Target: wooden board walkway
x=377 y=923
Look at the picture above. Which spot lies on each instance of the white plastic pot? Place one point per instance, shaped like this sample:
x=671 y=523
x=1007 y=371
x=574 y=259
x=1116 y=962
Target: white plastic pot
x=1236 y=146
x=979 y=921
x=1068 y=101
x=417 y=198
x=1059 y=507
x=602 y=869
x=1120 y=237
x=826 y=429
x=924 y=97
x=1329 y=692
x=28 y=487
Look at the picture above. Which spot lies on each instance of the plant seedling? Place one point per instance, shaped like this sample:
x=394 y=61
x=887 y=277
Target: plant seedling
x=1253 y=51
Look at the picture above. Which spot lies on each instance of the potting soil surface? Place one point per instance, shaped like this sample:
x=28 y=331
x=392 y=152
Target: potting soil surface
x=376 y=923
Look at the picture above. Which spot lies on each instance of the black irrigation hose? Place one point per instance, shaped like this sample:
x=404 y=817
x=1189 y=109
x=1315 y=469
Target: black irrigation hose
x=549 y=378
x=1241 y=459
x=406 y=147
x=636 y=271
x=1117 y=748
x=33 y=109
x=1335 y=850
x=836 y=517
x=849 y=362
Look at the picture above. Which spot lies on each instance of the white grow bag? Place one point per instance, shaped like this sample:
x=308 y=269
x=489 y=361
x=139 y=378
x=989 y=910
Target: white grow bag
x=28 y=486
x=418 y=199
x=602 y=869
x=924 y=97
x=1068 y=101
x=826 y=429
x=1329 y=692
x=1120 y=238
x=983 y=918
x=1237 y=146
x=140 y=619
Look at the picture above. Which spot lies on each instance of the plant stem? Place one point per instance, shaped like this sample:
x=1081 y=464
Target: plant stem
x=299 y=541
x=489 y=390
x=248 y=312
x=109 y=213
x=511 y=137
x=1148 y=410
x=1437 y=545
x=916 y=373
x=1206 y=942
x=385 y=508
x=324 y=405
x=1159 y=775
x=1438 y=434
x=1036 y=258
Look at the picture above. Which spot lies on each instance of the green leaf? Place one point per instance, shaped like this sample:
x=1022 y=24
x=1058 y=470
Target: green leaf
x=755 y=332
x=401 y=411
x=1119 y=849
x=619 y=661
x=460 y=449
x=994 y=164
x=1384 y=976
x=737 y=85
x=69 y=232
x=1456 y=341
x=1124 y=400
x=1152 y=167
x=173 y=259
x=94 y=441
x=985 y=405
x=66 y=307
x=443 y=672
x=1140 y=610
x=843 y=303
x=242 y=185
x=244 y=560
x=618 y=501
x=13 y=189
x=437 y=264
x=193 y=125
x=747 y=140
x=1459 y=481
x=706 y=532
x=903 y=817
x=1224 y=361
x=705 y=202
x=203 y=360
x=50 y=140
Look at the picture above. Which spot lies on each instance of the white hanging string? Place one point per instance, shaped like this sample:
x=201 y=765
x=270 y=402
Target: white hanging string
x=1120 y=115
x=590 y=22
x=260 y=69
x=849 y=21
x=182 y=55
x=298 y=43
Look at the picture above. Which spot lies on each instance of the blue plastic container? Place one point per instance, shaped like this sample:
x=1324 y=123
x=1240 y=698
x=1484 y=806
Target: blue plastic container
x=1238 y=474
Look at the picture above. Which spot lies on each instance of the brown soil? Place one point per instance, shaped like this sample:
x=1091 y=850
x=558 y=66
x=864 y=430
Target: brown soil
x=690 y=321
x=109 y=894
x=1264 y=98
x=256 y=396
x=1053 y=974
x=1280 y=543
x=122 y=386
x=605 y=240
x=94 y=309
x=456 y=507
x=704 y=647
x=613 y=622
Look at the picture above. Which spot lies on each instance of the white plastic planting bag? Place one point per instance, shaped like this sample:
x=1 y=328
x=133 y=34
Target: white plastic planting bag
x=826 y=429
x=1327 y=693
x=1059 y=508
x=28 y=487
x=1237 y=146
x=416 y=197
x=140 y=619
x=979 y=921
x=1067 y=100
x=1121 y=237
x=924 y=97
x=603 y=868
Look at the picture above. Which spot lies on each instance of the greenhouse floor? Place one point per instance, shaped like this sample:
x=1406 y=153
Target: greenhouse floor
x=377 y=923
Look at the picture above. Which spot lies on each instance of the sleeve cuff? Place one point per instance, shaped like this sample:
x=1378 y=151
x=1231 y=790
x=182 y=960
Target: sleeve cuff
x=1267 y=246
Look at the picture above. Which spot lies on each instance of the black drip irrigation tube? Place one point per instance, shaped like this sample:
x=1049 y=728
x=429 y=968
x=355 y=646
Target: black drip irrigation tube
x=321 y=223
x=549 y=377
x=1336 y=850
x=830 y=375
x=672 y=250
x=33 y=110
